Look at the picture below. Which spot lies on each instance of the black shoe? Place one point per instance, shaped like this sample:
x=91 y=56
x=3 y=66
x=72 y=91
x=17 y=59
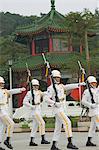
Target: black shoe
x=2 y=148
x=71 y=146
x=89 y=143
x=55 y=148
x=45 y=142
x=33 y=144
x=8 y=144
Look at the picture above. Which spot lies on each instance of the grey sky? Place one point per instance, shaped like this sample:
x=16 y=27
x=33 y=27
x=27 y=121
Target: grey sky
x=35 y=7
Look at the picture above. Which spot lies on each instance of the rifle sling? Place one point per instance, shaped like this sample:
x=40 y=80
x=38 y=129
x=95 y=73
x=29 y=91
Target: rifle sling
x=91 y=94
x=32 y=93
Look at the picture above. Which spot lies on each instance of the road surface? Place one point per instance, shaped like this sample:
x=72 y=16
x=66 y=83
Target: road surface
x=20 y=141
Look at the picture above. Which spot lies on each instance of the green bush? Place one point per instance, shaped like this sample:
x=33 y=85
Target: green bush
x=74 y=121
x=24 y=126
x=50 y=122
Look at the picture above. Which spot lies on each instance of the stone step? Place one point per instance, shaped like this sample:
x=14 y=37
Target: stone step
x=83 y=127
x=84 y=124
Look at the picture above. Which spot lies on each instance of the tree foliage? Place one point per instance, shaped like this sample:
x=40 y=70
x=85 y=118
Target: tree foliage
x=9 y=22
x=78 y=23
x=10 y=50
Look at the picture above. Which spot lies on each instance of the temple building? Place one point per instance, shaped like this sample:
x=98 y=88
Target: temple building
x=47 y=34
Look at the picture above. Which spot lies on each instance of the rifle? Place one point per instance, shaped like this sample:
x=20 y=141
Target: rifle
x=87 y=83
x=30 y=83
x=50 y=73
x=88 y=86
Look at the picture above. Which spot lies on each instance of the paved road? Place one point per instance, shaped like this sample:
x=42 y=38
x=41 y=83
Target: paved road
x=21 y=141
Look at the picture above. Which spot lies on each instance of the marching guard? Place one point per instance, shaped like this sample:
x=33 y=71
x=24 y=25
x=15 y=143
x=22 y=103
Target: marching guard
x=93 y=107
x=56 y=98
x=33 y=100
x=5 y=119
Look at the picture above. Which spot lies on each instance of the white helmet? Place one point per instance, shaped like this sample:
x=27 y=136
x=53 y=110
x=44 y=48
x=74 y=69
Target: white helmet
x=91 y=79
x=35 y=82
x=56 y=73
x=2 y=80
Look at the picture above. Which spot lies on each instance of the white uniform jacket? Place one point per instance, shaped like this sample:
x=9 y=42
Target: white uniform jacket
x=4 y=98
x=61 y=91
x=86 y=101
x=37 y=100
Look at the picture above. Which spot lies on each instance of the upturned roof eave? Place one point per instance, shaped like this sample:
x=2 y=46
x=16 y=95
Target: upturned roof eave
x=49 y=28
x=49 y=24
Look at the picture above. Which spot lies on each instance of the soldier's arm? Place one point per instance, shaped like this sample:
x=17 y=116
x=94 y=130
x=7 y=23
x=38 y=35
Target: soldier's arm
x=16 y=90
x=74 y=85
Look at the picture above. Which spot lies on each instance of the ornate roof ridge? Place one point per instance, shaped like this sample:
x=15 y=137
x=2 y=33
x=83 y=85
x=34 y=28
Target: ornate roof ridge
x=53 y=19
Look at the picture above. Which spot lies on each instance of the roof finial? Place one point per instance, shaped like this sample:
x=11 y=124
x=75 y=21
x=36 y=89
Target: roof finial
x=53 y=4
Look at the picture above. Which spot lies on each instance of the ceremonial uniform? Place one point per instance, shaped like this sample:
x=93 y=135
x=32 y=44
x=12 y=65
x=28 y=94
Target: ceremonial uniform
x=5 y=119
x=93 y=109
x=58 y=109
x=36 y=113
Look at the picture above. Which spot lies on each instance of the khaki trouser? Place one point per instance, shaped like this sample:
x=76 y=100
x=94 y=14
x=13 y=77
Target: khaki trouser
x=94 y=123
x=2 y=130
x=7 y=122
x=37 y=121
x=61 y=118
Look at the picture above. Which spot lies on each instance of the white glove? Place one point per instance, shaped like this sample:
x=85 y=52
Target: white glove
x=57 y=104
x=33 y=107
x=93 y=106
x=82 y=83
x=22 y=89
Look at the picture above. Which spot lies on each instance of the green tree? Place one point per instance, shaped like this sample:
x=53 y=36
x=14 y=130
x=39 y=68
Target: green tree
x=11 y=50
x=74 y=25
x=88 y=22
x=9 y=22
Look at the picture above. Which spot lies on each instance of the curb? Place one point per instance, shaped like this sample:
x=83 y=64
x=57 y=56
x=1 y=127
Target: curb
x=81 y=128
x=20 y=130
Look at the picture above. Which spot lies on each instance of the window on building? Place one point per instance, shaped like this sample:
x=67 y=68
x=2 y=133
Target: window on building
x=41 y=45
x=60 y=45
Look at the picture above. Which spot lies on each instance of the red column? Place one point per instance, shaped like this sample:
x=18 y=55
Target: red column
x=33 y=48
x=81 y=49
x=71 y=48
x=50 y=44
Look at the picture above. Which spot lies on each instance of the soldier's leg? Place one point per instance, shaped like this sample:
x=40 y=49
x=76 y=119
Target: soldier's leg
x=67 y=126
x=33 y=132
x=41 y=123
x=2 y=130
x=10 y=125
x=57 y=132
x=91 y=131
x=1 y=133
x=97 y=121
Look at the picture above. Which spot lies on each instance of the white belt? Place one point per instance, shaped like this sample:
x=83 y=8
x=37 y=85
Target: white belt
x=37 y=104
